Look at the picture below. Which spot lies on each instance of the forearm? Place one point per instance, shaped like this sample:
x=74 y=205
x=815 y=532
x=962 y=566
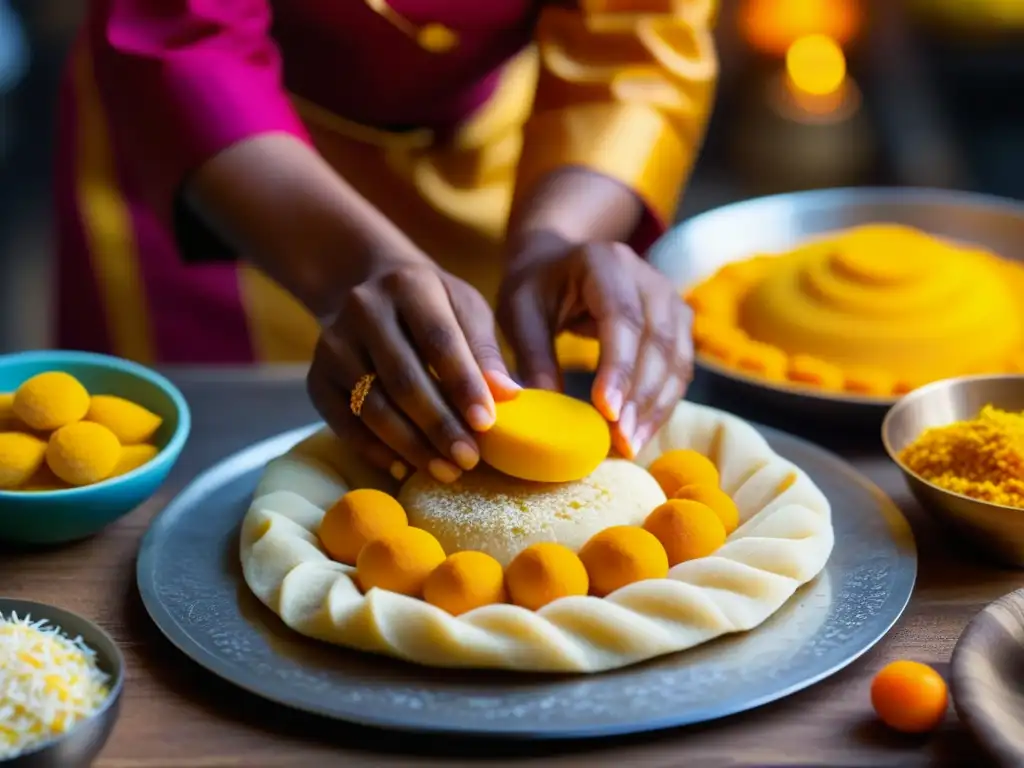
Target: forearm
x=276 y=202
x=570 y=207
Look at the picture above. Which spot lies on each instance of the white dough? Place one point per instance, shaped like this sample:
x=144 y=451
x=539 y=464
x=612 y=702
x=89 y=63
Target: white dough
x=784 y=539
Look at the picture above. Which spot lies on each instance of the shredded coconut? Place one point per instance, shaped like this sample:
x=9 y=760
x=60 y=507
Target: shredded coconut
x=48 y=683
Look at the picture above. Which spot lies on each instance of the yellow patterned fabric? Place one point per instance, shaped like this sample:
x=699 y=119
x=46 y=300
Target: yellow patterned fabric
x=625 y=89
x=622 y=88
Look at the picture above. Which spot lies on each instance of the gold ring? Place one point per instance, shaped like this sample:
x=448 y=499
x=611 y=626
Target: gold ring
x=359 y=393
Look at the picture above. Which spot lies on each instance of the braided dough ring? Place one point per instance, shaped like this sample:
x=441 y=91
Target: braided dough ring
x=784 y=539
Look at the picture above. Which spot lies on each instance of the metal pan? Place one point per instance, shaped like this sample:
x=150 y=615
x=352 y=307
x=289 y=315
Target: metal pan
x=695 y=249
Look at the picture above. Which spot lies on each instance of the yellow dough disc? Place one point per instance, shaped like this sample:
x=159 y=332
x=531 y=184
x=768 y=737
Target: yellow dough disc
x=546 y=437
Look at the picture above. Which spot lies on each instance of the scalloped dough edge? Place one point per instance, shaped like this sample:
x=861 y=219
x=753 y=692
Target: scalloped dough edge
x=784 y=540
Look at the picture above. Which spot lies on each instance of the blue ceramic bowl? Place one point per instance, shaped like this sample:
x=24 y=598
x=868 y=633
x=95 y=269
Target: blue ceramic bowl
x=53 y=517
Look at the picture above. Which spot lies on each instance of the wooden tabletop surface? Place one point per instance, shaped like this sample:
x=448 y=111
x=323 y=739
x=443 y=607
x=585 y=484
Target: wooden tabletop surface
x=174 y=714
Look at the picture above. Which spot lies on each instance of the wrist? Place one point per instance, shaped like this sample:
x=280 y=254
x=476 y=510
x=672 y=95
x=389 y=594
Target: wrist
x=277 y=203
x=527 y=248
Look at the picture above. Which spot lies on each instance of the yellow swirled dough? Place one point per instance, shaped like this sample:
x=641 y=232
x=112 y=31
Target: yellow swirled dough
x=885 y=298
x=489 y=512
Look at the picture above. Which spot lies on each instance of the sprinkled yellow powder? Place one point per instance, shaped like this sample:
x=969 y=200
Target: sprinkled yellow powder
x=982 y=458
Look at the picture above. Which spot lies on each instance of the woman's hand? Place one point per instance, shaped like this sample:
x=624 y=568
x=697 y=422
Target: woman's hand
x=604 y=291
x=394 y=325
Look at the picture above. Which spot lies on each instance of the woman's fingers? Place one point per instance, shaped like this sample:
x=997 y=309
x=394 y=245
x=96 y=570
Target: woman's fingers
x=667 y=365
x=339 y=418
x=477 y=322
x=617 y=308
x=342 y=366
x=443 y=342
x=527 y=328
x=403 y=375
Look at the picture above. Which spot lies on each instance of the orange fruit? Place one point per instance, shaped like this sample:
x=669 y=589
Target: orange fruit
x=466 y=580
x=715 y=498
x=356 y=519
x=545 y=572
x=909 y=696
x=682 y=467
x=399 y=562
x=621 y=555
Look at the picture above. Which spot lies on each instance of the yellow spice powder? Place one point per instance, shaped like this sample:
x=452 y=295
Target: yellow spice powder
x=982 y=458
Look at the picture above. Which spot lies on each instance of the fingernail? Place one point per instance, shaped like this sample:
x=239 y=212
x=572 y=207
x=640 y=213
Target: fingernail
x=444 y=471
x=627 y=422
x=465 y=455
x=639 y=440
x=613 y=399
x=503 y=381
x=479 y=418
x=398 y=470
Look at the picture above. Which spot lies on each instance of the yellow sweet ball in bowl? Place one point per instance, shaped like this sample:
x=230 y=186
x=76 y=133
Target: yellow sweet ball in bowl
x=399 y=562
x=46 y=391
x=50 y=400
x=7 y=418
x=686 y=529
x=356 y=519
x=545 y=572
x=621 y=555
x=464 y=581
x=130 y=422
x=83 y=453
x=21 y=455
x=676 y=469
x=134 y=456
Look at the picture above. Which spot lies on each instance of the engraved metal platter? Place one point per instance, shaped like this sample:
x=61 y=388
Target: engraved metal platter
x=697 y=248
x=190 y=580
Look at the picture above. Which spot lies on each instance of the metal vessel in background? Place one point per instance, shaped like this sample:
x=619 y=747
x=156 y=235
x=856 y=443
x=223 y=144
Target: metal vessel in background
x=695 y=249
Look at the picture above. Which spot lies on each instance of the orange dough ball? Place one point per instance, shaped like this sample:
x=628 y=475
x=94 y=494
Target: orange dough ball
x=399 y=562
x=545 y=572
x=50 y=401
x=131 y=423
x=686 y=529
x=83 y=453
x=356 y=519
x=466 y=580
x=715 y=498
x=682 y=467
x=620 y=555
x=909 y=696
x=546 y=437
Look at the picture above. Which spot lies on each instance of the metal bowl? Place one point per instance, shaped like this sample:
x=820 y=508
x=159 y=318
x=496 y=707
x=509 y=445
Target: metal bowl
x=697 y=248
x=78 y=747
x=995 y=529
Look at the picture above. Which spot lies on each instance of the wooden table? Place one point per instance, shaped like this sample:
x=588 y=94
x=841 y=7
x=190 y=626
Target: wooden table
x=174 y=714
